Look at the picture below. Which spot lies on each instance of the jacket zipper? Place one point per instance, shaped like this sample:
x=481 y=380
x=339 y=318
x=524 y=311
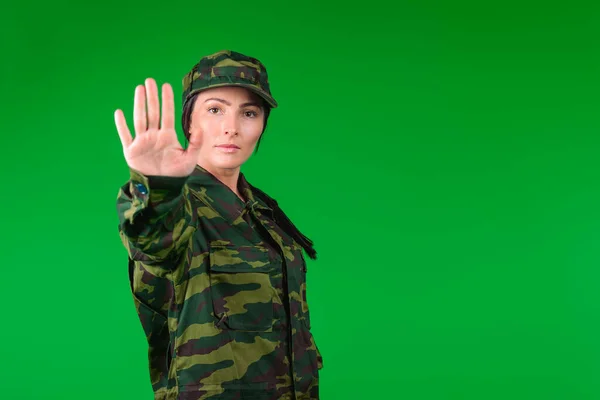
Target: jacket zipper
x=286 y=301
x=289 y=323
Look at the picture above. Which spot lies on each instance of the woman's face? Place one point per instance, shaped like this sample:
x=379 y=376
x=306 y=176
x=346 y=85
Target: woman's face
x=226 y=122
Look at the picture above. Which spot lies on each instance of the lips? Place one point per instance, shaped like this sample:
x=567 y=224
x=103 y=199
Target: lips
x=228 y=146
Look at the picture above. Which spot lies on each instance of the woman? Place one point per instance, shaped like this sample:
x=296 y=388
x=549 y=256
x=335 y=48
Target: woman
x=216 y=268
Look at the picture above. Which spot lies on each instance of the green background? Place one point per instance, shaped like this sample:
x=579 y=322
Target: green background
x=442 y=155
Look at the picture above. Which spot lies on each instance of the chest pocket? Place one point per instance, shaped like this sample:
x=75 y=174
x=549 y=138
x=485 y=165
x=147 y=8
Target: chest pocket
x=241 y=290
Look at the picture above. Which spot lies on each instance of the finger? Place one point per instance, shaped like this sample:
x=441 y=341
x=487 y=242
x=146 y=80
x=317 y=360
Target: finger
x=140 y=122
x=122 y=128
x=168 y=108
x=153 y=106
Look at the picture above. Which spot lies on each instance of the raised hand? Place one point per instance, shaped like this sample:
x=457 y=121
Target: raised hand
x=155 y=150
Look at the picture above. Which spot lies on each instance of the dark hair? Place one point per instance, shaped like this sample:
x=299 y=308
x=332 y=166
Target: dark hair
x=280 y=218
x=284 y=222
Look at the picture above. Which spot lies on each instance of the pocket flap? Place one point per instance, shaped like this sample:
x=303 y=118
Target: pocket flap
x=234 y=258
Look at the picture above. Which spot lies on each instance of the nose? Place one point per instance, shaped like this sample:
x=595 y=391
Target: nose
x=231 y=125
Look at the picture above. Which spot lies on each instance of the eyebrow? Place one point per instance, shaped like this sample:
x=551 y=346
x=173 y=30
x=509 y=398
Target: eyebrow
x=249 y=103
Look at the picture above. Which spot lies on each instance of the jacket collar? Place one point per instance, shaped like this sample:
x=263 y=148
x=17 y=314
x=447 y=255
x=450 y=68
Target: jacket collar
x=222 y=199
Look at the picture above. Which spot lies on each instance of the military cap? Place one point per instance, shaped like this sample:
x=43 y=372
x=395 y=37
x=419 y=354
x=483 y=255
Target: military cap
x=228 y=68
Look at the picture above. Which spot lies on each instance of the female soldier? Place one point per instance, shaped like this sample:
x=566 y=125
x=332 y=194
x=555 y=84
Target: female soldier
x=216 y=268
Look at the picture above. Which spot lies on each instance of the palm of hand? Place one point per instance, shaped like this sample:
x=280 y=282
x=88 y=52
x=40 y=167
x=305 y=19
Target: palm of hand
x=155 y=150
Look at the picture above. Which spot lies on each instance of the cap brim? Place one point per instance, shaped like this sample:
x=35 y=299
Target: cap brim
x=269 y=99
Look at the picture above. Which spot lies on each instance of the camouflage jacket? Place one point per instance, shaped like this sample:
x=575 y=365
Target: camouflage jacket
x=220 y=291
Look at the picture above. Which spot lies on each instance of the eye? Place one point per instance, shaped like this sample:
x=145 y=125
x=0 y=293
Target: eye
x=213 y=110
x=251 y=114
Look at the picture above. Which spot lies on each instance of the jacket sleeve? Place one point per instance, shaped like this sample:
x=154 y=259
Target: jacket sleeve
x=155 y=217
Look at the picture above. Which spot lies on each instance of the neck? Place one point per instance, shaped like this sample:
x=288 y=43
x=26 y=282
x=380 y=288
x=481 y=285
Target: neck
x=228 y=177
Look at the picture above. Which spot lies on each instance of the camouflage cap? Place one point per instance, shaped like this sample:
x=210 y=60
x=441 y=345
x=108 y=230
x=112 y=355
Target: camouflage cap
x=228 y=68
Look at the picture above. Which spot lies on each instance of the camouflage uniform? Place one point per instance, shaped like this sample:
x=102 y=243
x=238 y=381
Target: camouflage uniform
x=220 y=290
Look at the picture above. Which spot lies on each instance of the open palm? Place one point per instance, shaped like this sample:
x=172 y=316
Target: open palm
x=155 y=150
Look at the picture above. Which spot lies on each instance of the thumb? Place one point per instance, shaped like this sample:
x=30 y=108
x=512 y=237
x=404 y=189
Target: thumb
x=194 y=143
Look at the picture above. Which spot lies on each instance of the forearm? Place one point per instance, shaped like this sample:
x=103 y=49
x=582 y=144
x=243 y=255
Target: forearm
x=153 y=219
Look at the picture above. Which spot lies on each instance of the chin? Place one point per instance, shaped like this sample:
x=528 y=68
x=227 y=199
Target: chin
x=228 y=163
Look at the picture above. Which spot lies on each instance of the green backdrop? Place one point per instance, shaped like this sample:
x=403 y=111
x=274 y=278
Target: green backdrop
x=442 y=155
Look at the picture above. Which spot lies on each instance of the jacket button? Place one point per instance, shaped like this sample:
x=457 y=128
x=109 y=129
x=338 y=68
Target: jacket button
x=141 y=188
